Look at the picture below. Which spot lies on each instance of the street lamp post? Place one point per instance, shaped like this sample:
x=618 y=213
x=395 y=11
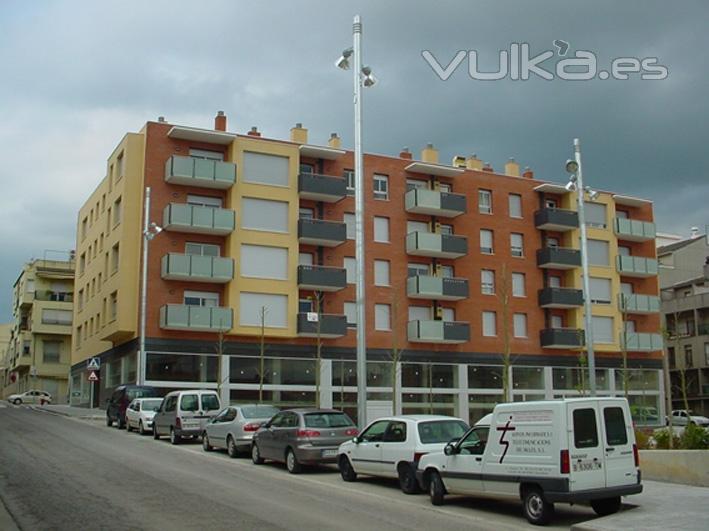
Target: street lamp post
x=362 y=76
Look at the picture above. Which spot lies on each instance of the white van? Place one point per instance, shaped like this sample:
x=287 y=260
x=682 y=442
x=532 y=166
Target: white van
x=185 y=414
x=567 y=450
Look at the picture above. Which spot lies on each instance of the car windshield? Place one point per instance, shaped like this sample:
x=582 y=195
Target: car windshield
x=151 y=405
x=327 y=420
x=210 y=402
x=441 y=431
x=139 y=393
x=258 y=412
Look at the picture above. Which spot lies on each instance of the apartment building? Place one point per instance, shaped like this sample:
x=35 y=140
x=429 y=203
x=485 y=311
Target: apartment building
x=684 y=284
x=39 y=349
x=258 y=243
x=5 y=331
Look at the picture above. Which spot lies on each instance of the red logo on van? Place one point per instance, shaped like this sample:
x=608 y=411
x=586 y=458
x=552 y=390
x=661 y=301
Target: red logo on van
x=504 y=429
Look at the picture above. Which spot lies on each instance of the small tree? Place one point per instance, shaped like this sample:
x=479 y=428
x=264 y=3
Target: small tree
x=668 y=386
x=262 y=354
x=221 y=379
x=624 y=343
x=396 y=350
x=503 y=294
x=317 y=299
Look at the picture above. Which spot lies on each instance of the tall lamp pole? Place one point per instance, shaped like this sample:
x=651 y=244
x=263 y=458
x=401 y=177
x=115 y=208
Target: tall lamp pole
x=362 y=77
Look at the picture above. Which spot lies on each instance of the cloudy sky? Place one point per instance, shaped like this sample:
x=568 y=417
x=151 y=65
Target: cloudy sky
x=77 y=75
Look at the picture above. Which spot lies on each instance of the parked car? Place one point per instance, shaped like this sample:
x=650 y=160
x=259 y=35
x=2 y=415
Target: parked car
x=682 y=417
x=30 y=397
x=572 y=450
x=392 y=446
x=234 y=427
x=123 y=395
x=185 y=414
x=300 y=437
x=140 y=413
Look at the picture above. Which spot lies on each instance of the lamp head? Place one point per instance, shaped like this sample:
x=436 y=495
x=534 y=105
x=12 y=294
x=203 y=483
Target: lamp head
x=572 y=166
x=592 y=194
x=369 y=80
x=343 y=62
x=570 y=186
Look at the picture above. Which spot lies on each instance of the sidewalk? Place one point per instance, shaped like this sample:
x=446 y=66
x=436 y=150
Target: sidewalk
x=75 y=412
x=661 y=506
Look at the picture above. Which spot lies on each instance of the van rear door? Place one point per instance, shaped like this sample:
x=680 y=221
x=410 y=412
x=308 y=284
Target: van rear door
x=585 y=447
x=618 y=438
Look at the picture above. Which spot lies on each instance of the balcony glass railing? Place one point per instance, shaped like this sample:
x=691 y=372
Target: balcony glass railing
x=197 y=268
x=637 y=303
x=634 y=230
x=205 y=173
x=637 y=266
x=195 y=318
x=198 y=219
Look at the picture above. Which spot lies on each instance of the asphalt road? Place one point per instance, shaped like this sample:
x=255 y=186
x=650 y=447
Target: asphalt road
x=64 y=473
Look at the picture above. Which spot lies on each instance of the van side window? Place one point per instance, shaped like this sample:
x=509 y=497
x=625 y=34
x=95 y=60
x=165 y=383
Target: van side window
x=170 y=403
x=616 y=433
x=189 y=403
x=210 y=402
x=585 y=432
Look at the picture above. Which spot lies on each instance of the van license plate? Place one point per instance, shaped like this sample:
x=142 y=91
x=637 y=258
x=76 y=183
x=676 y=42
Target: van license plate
x=329 y=453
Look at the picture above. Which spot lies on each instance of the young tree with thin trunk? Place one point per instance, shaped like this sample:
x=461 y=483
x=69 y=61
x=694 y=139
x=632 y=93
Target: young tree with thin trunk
x=503 y=294
x=624 y=343
x=396 y=350
x=318 y=346
x=668 y=386
x=222 y=360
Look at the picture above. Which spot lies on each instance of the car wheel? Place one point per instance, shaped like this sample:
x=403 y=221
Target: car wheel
x=231 y=448
x=109 y=422
x=141 y=428
x=174 y=438
x=346 y=471
x=17 y=401
x=536 y=509
x=256 y=455
x=292 y=464
x=128 y=428
x=407 y=480
x=205 y=443
x=606 y=506
x=156 y=435
x=436 y=490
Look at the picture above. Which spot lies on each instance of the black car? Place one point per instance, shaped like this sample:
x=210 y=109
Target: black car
x=121 y=397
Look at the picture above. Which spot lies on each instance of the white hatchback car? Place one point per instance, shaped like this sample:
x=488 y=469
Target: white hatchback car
x=392 y=446
x=30 y=397
x=140 y=413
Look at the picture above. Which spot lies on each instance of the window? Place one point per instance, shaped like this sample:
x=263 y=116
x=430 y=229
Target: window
x=600 y=290
x=381 y=273
x=82 y=263
x=113 y=306
x=349 y=176
x=375 y=433
x=78 y=337
x=446 y=188
x=276 y=309
x=519 y=285
x=485 y=201
x=585 y=430
x=351 y=269
x=119 y=166
x=202 y=249
x=595 y=215
x=381 y=230
x=396 y=432
x=265 y=169
x=671 y=356
x=623 y=250
x=516 y=244
x=489 y=324
x=688 y=361
x=445 y=229
x=706 y=353
x=115 y=258
x=556 y=321
x=81 y=299
x=51 y=351
x=56 y=317
x=552 y=242
x=117 y=211
x=416 y=226
x=204 y=154
x=553 y=281
x=259 y=261
x=305 y=305
x=307 y=168
x=413 y=184
x=598 y=252
x=263 y=214
x=448 y=315
x=602 y=329
x=189 y=403
x=349 y=220
x=515 y=205
x=382 y=317
x=486 y=246
x=381 y=187
x=201 y=298
x=417 y=269
x=305 y=259
x=446 y=271
x=520 y=324
x=616 y=433
x=84 y=228
x=419 y=313
x=487 y=282
x=350 y=311
x=204 y=200
x=306 y=213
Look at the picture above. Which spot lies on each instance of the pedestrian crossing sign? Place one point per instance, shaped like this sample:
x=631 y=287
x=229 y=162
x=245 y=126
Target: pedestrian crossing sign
x=93 y=364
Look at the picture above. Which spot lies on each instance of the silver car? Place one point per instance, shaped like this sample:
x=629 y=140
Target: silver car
x=300 y=437
x=185 y=414
x=234 y=427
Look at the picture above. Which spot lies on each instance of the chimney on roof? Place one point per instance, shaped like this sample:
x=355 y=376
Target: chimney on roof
x=694 y=232
x=334 y=141
x=474 y=163
x=299 y=134
x=429 y=154
x=161 y=119
x=220 y=121
x=488 y=167
x=512 y=168
x=254 y=131
x=528 y=173
x=458 y=161
x=405 y=153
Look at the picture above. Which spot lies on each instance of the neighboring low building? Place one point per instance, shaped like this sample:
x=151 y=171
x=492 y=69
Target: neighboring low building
x=684 y=284
x=39 y=350
x=5 y=331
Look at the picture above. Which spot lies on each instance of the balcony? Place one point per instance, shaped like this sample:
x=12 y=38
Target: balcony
x=636 y=266
x=182 y=217
x=195 y=318
x=55 y=296
x=562 y=338
x=204 y=173
x=26 y=298
x=633 y=230
x=642 y=304
x=558 y=258
x=321 y=232
x=331 y=325
x=560 y=298
x=438 y=332
x=556 y=219
x=436 y=245
x=321 y=278
x=641 y=342
x=437 y=288
x=324 y=188
x=197 y=268
x=434 y=203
